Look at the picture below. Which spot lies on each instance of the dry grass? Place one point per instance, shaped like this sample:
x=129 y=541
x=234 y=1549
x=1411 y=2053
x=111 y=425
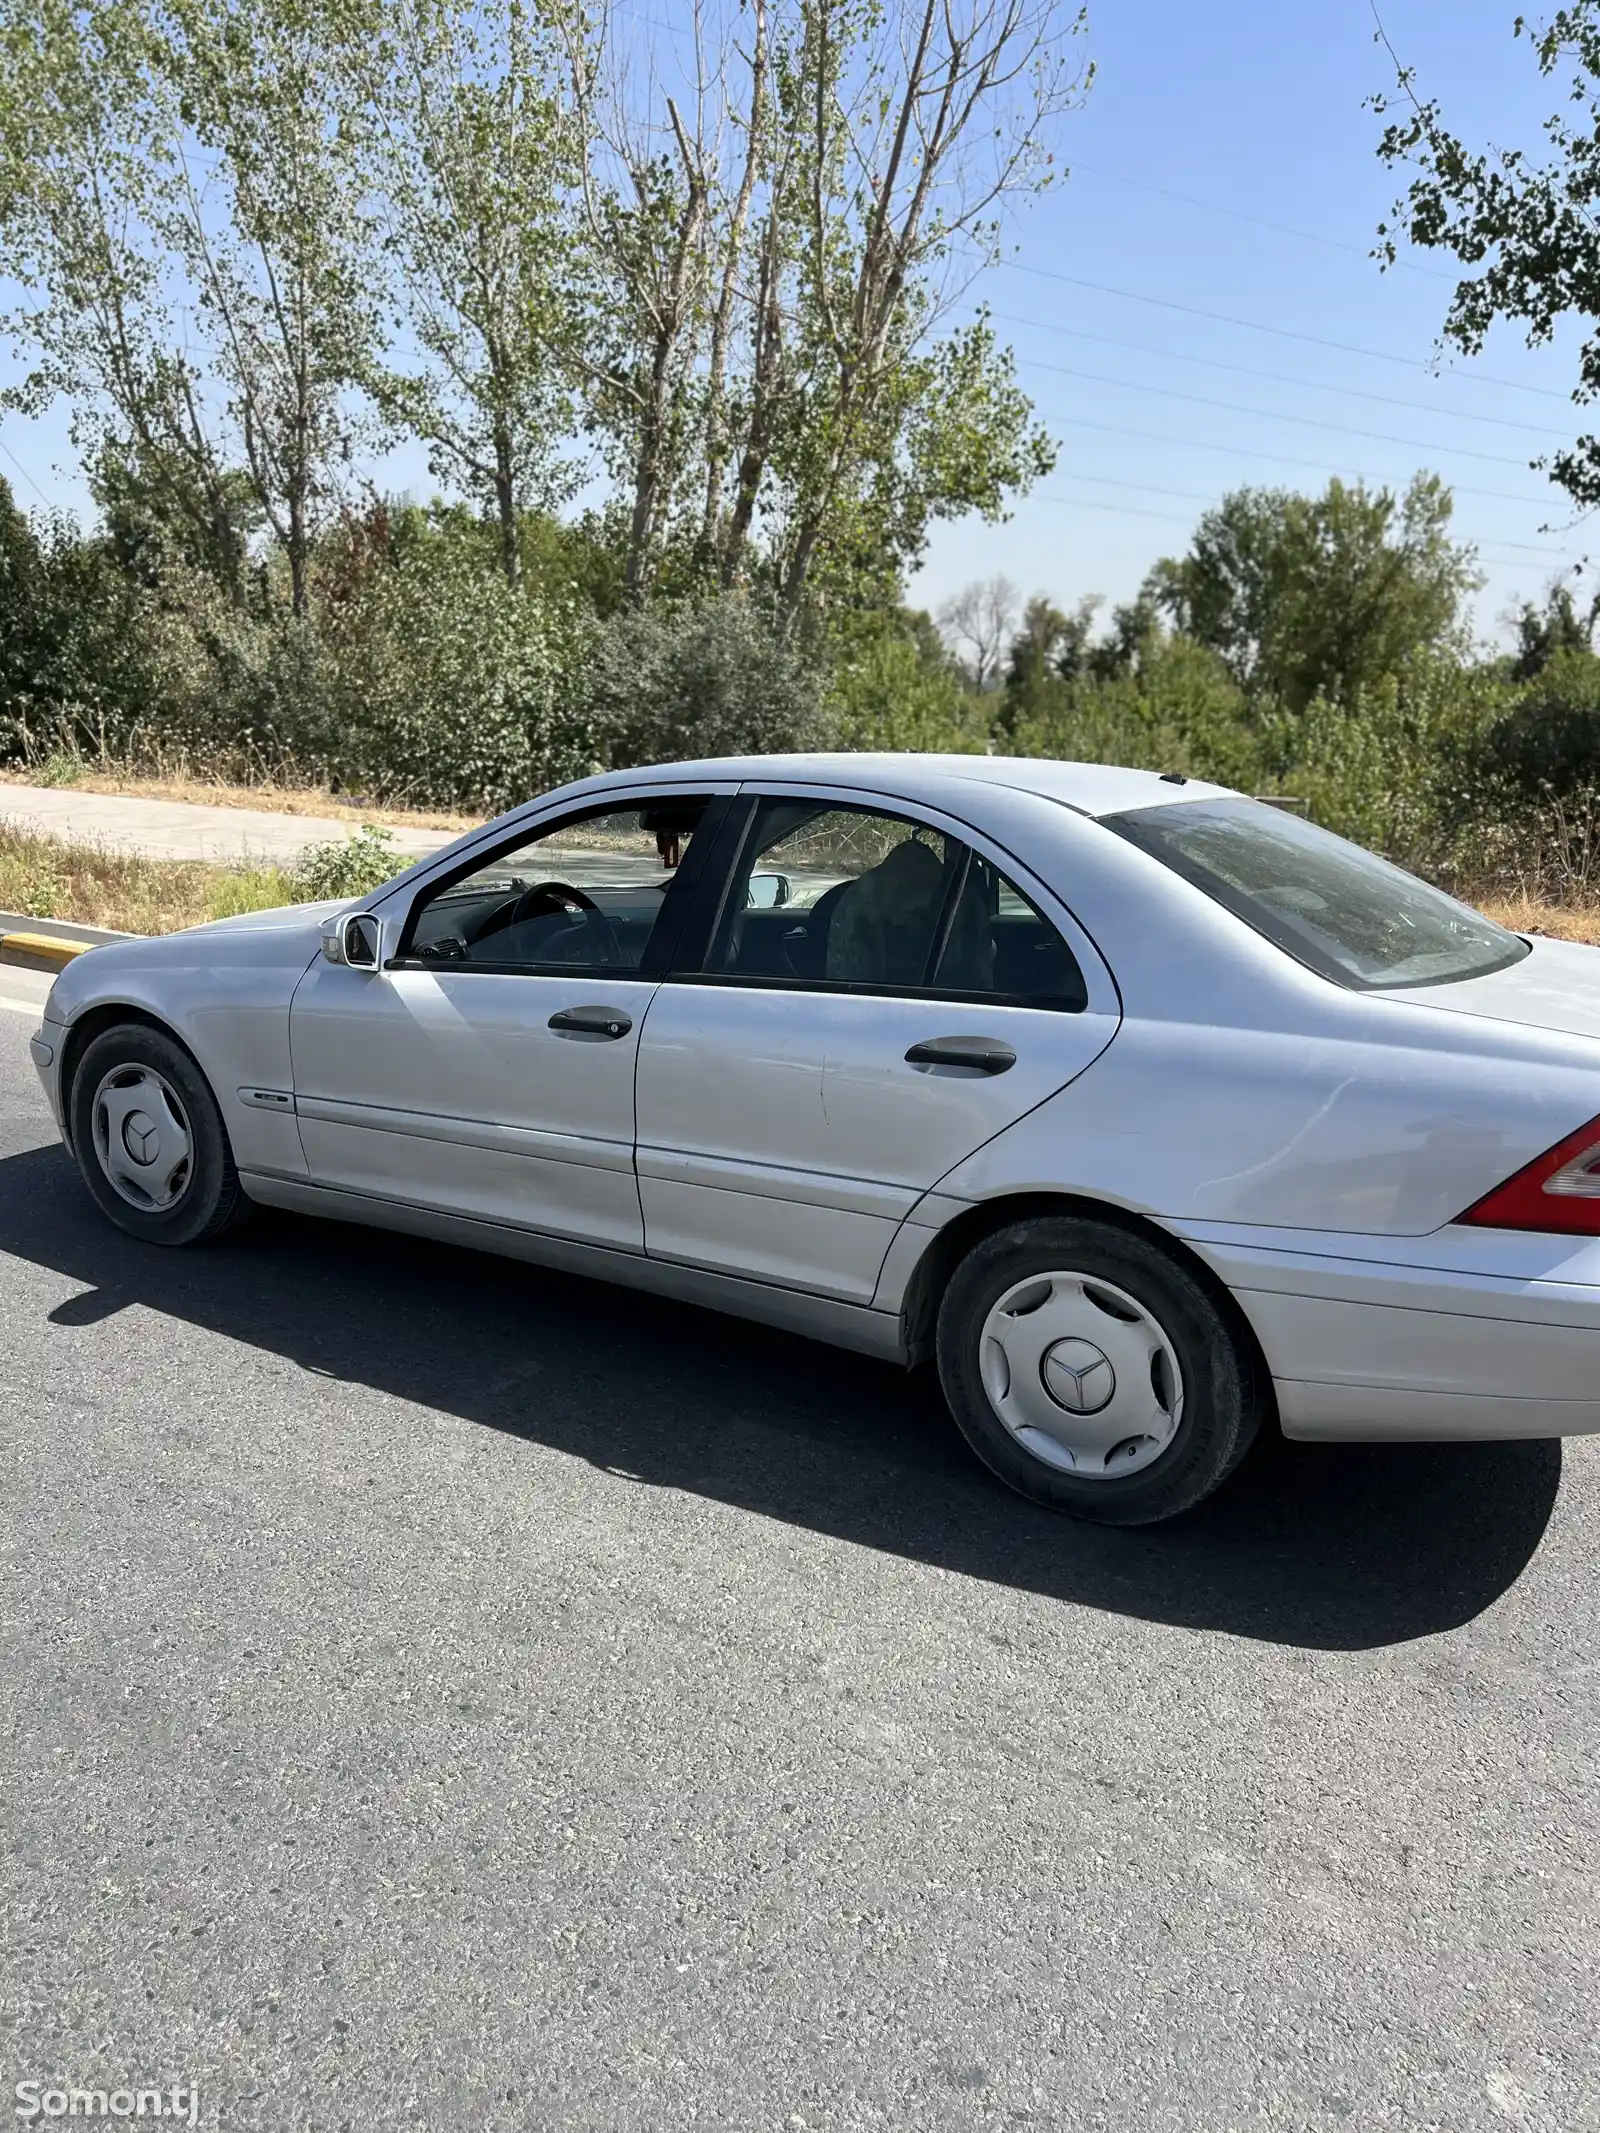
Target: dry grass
x=209 y=792
x=1562 y=922
x=40 y=878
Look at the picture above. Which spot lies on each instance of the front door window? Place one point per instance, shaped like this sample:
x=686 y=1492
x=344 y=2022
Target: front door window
x=590 y=895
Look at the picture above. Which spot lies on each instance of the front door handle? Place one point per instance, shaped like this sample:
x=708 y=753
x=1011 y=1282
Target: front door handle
x=591 y=1022
x=979 y=1055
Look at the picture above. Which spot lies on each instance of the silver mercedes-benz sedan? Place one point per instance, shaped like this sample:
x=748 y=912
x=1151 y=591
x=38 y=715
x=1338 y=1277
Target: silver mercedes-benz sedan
x=1150 y=1112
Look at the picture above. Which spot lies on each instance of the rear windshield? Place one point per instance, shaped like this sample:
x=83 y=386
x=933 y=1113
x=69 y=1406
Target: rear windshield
x=1345 y=912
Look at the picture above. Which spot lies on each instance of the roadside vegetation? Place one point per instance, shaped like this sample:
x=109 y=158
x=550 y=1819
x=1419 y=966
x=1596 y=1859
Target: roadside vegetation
x=692 y=394
x=41 y=878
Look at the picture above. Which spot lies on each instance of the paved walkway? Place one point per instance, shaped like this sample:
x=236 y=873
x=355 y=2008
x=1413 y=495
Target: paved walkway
x=175 y=829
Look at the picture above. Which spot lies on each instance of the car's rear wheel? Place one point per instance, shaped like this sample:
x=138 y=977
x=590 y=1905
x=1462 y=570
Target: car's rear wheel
x=150 y=1141
x=1091 y=1371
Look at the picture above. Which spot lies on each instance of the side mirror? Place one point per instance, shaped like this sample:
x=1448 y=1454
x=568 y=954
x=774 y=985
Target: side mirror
x=353 y=940
x=768 y=892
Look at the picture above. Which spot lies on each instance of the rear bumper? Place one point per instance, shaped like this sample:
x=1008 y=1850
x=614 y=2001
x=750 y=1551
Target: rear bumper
x=1474 y=1334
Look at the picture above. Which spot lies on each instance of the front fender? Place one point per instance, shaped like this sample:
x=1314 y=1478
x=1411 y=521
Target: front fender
x=225 y=995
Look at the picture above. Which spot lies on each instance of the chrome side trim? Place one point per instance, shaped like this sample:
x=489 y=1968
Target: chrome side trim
x=841 y=1325
x=593 y=1154
x=777 y=1181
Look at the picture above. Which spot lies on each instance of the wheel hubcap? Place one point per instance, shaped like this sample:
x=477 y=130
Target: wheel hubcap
x=142 y=1138
x=1082 y=1375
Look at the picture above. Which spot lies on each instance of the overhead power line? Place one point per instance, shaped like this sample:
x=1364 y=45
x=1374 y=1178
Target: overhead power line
x=1282 y=459
x=1084 y=503
x=1210 y=503
x=1284 y=333
x=1271 y=414
x=1260 y=222
x=22 y=470
x=1276 y=377
x=1482 y=547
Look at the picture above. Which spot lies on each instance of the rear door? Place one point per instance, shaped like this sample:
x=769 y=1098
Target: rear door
x=487 y=1068
x=878 y=995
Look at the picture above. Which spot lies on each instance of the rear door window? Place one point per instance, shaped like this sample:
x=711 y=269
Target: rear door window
x=849 y=899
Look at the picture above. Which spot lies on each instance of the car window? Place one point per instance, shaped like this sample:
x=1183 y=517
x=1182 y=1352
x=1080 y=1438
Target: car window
x=1332 y=905
x=846 y=898
x=586 y=894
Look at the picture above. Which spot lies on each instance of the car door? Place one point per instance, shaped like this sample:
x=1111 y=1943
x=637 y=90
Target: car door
x=486 y=1066
x=889 y=997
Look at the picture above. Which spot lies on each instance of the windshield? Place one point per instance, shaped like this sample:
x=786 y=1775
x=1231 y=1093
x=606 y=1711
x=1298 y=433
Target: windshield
x=1348 y=914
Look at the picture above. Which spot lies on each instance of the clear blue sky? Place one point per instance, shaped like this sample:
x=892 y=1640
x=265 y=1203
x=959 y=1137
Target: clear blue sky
x=1202 y=118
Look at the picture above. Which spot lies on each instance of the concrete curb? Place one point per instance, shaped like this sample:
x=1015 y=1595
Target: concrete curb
x=62 y=929
x=38 y=951
x=49 y=943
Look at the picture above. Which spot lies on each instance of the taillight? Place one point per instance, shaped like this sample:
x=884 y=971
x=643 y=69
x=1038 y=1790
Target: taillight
x=1559 y=1190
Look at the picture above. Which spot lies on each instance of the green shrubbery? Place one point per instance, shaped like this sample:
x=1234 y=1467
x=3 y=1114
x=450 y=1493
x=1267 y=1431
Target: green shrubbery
x=420 y=674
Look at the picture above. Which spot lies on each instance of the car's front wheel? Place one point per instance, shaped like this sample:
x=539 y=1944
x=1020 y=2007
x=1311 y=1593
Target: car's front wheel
x=1090 y=1369
x=150 y=1141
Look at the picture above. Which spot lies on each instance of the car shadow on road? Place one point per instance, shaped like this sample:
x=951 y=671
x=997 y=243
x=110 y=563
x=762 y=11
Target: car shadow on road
x=1333 y=1547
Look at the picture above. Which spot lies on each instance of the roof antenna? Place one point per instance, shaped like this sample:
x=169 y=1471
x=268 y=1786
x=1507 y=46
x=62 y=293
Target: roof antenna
x=1173 y=777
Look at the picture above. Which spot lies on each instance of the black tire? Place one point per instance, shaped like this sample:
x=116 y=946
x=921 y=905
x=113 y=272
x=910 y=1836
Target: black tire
x=211 y=1201
x=1222 y=1397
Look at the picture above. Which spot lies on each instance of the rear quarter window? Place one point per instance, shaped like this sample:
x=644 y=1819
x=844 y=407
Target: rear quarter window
x=1334 y=906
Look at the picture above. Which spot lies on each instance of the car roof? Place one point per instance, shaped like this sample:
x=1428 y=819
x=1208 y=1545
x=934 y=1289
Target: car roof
x=1091 y=788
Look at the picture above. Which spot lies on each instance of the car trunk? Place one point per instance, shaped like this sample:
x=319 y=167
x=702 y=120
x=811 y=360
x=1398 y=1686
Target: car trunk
x=1555 y=987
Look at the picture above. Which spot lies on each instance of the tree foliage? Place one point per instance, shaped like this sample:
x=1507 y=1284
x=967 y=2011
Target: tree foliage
x=1520 y=224
x=1306 y=596
x=470 y=156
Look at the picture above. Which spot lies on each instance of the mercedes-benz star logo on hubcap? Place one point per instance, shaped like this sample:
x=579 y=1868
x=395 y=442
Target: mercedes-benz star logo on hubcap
x=1078 y=1377
x=140 y=1137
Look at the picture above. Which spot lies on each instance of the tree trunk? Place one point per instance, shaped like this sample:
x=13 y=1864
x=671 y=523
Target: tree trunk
x=717 y=441
x=668 y=312
x=766 y=383
x=297 y=547
x=505 y=503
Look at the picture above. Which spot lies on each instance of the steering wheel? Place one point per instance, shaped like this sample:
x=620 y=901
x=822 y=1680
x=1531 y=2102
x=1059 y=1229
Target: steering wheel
x=548 y=897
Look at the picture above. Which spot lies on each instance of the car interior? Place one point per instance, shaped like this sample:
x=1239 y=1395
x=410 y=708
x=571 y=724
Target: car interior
x=929 y=913
x=586 y=896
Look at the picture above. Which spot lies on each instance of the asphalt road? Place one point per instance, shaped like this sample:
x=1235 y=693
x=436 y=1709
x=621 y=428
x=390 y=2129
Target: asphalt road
x=438 y=1694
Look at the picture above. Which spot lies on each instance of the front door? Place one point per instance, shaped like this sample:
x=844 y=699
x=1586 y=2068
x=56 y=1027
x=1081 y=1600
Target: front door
x=488 y=1069
x=878 y=1000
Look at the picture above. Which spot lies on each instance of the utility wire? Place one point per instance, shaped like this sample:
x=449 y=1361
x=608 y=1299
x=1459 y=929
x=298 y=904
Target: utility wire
x=1482 y=547
x=1260 y=222
x=1282 y=459
x=1194 y=496
x=1275 y=377
x=1270 y=414
x=1285 y=333
x=27 y=477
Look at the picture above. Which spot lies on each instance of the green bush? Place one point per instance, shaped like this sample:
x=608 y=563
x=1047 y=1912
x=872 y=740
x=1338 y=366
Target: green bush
x=676 y=684
x=421 y=675
x=1178 y=709
x=75 y=674
x=347 y=866
x=1549 y=739
x=890 y=691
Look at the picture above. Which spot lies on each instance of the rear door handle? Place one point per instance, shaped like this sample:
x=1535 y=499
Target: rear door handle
x=979 y=1055
x=591 y=1022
